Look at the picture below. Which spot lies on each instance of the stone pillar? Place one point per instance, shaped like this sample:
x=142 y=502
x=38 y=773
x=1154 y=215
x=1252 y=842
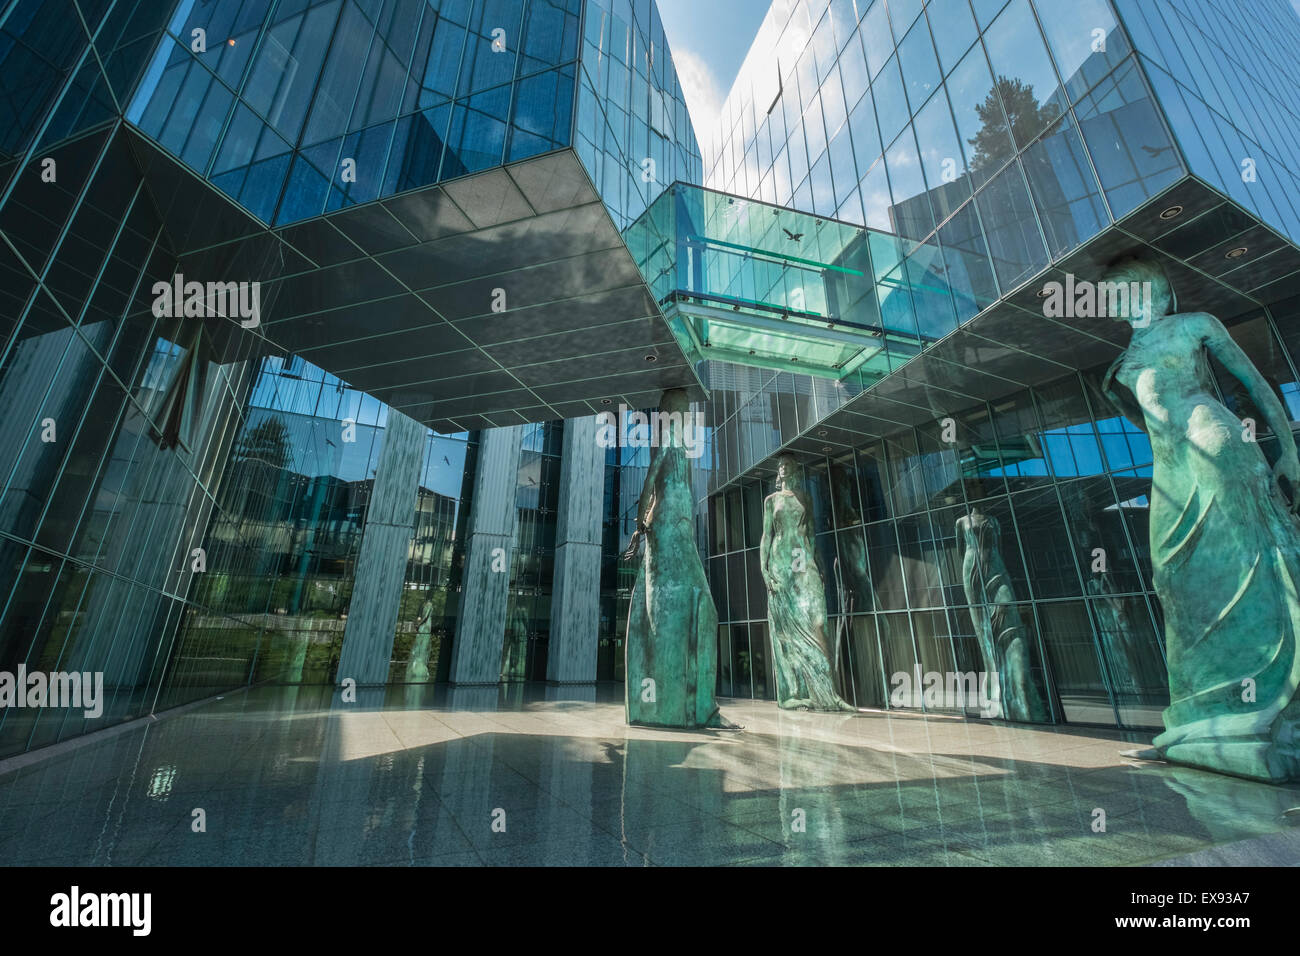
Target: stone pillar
x=481 y=623
x=385 y=550
x=575 y=593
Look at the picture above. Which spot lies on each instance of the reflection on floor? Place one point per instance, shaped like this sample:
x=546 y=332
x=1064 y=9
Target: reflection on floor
x=545 y=775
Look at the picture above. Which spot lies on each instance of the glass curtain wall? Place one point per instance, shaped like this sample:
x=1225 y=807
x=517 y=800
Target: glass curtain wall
x=309 y=107
x=532 y=558
x=1066 y=479
x=116 y=422
x=283 y=548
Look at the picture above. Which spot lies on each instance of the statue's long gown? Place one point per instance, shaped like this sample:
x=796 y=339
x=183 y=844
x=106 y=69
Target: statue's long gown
x=417 y=667
x=1225 y=555
x=672 y=630
x=796 y=610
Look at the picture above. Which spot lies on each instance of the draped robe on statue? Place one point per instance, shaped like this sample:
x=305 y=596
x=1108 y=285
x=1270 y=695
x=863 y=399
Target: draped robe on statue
x=1225 y=557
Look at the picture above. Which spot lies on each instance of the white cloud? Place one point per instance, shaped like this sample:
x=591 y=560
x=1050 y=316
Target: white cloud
x=703 y=92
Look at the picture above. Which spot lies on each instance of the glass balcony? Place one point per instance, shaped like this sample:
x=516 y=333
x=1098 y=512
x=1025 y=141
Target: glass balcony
x=760 y=285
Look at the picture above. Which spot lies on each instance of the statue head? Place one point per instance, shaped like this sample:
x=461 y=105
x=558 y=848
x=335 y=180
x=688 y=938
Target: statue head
x=788 y=473
x=674 y=400
x=672 y=426
x=1157 y=298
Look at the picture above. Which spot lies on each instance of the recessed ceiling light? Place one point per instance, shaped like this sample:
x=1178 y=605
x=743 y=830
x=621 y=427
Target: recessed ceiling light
x=822 y=433
x=1044 y=292
x=1236 y=253
x=1173 y=212
x=826 y=447
x=652 y=358
x=604 y=401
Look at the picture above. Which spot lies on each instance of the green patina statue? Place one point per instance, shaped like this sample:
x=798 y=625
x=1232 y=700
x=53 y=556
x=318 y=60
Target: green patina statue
x=672 y=626
x=796 y=598
x=1003 y=643
x=514 y=657
x=1225 y=544
x=417 y=667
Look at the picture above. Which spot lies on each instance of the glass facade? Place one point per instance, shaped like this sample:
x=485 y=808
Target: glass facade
x=306 y=108
x=1220 y=71
x=528 y=608
x=633 y=132
x=118 y=423
x=850 y=267
x=967 y=133
x=1068 y=480
x=994 y=142
x=283 y=550
x=185 y=504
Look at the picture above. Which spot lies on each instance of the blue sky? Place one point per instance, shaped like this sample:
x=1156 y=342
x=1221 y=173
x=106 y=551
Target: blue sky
x=709 y=40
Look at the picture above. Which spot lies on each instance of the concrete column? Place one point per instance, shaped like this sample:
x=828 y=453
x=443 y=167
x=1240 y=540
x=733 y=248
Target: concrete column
x=481 y=624
x=385 y=550
x=575 y=592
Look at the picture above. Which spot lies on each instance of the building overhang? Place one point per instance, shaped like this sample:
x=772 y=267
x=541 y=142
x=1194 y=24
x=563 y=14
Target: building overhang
x=1011 y=345
x=499 y=298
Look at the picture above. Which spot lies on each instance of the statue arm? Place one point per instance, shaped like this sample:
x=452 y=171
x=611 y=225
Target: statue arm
x=1120 y=397
x=765 y=543
x=1239 y=365
x=646 y=504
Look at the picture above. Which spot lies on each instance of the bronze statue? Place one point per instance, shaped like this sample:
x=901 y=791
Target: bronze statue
x=417 y=668
x=672 y=627
x=796 y=598
x=1225 y=543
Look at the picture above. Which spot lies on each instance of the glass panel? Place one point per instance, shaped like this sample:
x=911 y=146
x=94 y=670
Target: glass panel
x=942 y=160
x=891 y=103
x=1026 y=82
x=953 y=28
x=1015 y=242
x=1085 y=41
x=877 y=42
x=910 y=212
x=1075 y=663
x=920 y=67
x=977 y=109
x=1126 y=138
x=1064 y=188
x=478 y=132
x=970 y=273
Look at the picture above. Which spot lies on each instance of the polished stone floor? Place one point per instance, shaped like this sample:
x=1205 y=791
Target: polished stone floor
x=540 y=775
